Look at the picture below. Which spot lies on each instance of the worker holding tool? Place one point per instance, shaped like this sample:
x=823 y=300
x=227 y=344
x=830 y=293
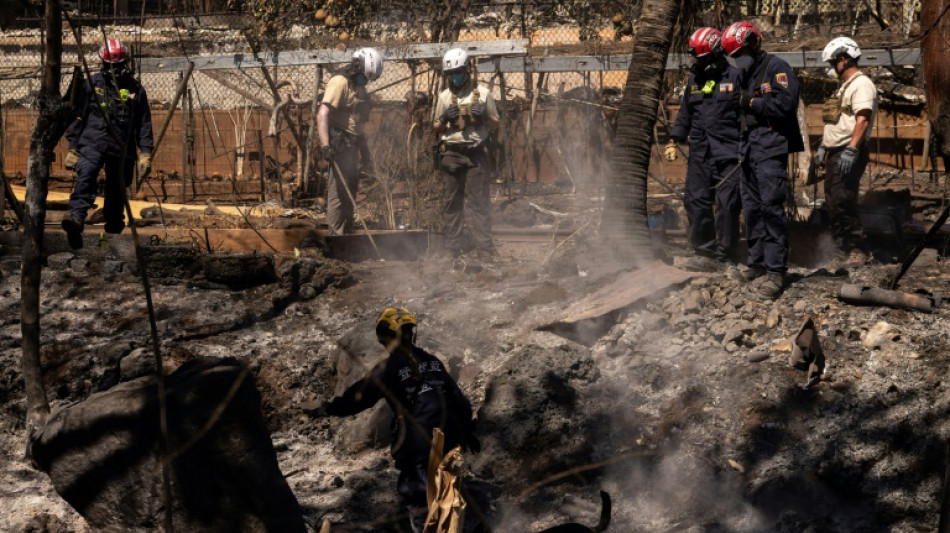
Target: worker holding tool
x=708 y=118
x=464 y=114
x=422 y=395
x=849 y=119
x=113 y=114
x=339 y=123
x=768 y=108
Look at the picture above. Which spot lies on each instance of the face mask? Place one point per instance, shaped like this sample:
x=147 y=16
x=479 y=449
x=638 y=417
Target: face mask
x=361 y=80
x=457 y=80
x=741 y=62
x=832 y=73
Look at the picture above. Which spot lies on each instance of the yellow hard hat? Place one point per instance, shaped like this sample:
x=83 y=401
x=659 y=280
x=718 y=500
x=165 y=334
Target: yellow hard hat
x=393 y=319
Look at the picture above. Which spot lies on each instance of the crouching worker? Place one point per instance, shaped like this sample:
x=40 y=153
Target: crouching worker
x=422 y=395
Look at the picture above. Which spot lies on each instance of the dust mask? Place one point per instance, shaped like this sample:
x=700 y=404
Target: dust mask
x=742 y=62
x=832 y=73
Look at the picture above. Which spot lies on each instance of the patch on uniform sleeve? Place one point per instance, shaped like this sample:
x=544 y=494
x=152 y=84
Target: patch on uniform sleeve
x=782 y=79
x=765 y=88
x=725 y=87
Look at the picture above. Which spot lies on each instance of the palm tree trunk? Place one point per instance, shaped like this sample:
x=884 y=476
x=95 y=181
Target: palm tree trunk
x=624 y=220
x=935 y=20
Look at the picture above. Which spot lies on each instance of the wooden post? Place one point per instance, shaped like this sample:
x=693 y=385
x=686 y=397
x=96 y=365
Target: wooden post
x=307 y=184
x=184 y=148
x=260 y=160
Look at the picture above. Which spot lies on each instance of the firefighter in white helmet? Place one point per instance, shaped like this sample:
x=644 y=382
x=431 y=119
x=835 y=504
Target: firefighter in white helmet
x=849 y=118
x=339 y=124
x=465 y=112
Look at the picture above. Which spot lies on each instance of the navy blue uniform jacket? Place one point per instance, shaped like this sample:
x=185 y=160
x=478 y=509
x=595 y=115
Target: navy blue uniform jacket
x=775 y=108
x=710 y=120
x=126 y=106
x=433 y=401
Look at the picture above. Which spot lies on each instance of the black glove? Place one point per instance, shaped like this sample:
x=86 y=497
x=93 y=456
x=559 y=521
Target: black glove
x=328 y=153
x=473 y=445
x=479 y=109
x=450 y=115
x=741 y=100
x=847 y=159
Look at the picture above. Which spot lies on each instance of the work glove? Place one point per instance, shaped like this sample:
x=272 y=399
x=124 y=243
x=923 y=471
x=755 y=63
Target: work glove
x=145 y=164
x=450 y=115
x=328 y=153
x=670 y=151
x=71 y=159
x=846 y=160
x=741 y=100
x=820 y=157
x=479 y=109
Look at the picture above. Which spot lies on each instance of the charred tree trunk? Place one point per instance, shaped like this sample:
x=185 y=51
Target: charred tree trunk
x=53 y=117
x=935 y=20
x=623 y=224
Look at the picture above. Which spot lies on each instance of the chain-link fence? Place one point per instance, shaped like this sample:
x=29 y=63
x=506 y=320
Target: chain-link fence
x=558 y=124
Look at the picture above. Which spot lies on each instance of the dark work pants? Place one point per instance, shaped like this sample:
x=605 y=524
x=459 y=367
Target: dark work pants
x=712 y=235
x=764 y=188
x=411 y=487
x=841 y=200
x=470 y=181
x=117 y=179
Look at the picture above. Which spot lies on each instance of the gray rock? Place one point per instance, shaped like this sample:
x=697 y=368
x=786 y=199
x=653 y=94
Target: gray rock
x=111 y=266
x=101 y=456
x=59 y=260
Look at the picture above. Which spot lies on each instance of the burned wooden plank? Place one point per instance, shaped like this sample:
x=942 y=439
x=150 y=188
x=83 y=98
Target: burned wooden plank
x=588 y=319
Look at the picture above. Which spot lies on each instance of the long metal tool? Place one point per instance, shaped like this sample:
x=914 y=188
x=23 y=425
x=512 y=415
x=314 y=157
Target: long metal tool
x=941 y=220
x=349 y=194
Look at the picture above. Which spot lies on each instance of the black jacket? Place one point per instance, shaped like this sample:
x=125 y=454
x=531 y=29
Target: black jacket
x=126 y=105
x=708 y=118
x=434 y=400
x=775 y=107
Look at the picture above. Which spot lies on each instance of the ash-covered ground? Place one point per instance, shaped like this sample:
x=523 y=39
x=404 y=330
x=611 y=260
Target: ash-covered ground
x=685 y=410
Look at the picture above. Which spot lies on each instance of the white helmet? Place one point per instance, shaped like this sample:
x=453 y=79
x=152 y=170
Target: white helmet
x=455 y=58
x=372 y=62
x=838 y=46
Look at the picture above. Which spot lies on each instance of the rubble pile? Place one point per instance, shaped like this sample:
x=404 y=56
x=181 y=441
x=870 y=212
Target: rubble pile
x=686 y=410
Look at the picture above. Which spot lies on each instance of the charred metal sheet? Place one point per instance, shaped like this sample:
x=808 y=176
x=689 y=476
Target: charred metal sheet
x=588 y=319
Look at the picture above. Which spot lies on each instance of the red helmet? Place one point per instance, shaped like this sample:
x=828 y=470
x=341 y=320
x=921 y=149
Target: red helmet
x=113 y=52
x=739 y=35
x=704 y=41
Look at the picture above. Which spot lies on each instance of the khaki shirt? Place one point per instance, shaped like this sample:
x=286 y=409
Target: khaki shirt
x=472 y=134
x=857 y=94
x=345 y=101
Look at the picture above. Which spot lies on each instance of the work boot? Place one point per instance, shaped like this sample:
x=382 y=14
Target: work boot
x=751 y=274
x=115 y=227
x=770 y=286
x=73 y=229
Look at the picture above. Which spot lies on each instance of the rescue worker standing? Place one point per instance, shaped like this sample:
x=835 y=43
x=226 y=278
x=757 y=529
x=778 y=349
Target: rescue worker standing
x=422 y=395
x=113 y=112
x=708 y=118
x=464 y=114
x=849 y=119
x=339 y=124
x=767 y=105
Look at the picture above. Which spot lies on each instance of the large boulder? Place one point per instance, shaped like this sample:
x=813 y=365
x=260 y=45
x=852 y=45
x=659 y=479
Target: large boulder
x=102 y=455
x=358 y=352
